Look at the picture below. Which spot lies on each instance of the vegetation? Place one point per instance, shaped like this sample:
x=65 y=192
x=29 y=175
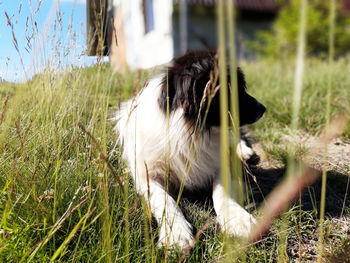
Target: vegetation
x=282 y=39
x=65 y=194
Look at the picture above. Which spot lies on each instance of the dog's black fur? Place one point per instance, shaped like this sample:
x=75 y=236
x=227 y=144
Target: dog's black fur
x=184 y=85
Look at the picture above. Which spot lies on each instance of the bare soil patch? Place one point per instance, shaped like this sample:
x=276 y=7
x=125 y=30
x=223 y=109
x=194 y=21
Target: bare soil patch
x=337 y=152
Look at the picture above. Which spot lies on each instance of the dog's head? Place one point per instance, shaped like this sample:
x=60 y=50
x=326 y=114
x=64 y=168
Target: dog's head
x=192 y=83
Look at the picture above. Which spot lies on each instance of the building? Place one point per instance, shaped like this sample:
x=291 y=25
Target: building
x=141 y=34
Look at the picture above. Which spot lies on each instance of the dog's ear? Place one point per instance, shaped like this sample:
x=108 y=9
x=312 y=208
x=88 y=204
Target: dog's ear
x=178 y=90
x=167 y=93
x=187 y=95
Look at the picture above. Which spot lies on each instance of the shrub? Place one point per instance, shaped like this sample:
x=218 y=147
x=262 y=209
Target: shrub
x=282 y=39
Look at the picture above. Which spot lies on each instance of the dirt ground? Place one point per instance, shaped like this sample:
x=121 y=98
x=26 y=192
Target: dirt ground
x=337 y=155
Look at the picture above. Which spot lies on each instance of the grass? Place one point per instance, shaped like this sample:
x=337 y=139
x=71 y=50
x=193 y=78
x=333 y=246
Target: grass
x=60 y=199
x=273 y=85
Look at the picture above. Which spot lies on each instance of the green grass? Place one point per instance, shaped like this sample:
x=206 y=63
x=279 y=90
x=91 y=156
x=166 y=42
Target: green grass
x=59 y=169
x=273 y=82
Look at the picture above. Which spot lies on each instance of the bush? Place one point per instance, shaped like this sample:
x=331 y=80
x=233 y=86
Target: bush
x=282 y=39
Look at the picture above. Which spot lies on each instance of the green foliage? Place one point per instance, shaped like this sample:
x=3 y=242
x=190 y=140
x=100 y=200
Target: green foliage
x=282 y=39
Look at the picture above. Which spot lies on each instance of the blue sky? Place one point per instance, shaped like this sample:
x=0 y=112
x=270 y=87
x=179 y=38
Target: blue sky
x=49 y=33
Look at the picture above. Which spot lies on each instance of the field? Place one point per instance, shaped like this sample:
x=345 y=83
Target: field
x=66 y=196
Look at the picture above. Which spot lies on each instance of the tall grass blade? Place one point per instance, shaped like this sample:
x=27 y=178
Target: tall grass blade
x=224 y=139
x=236 y=165
x=225 y=175
x=71 y=235
x=296 y=104
x=230 y=166
x=332 y=16
x=299 y=65
x=235 y=162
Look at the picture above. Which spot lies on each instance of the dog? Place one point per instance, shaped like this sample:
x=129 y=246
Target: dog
x=170 y=136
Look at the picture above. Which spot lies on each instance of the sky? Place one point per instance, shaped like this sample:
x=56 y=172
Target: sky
x=40 y=34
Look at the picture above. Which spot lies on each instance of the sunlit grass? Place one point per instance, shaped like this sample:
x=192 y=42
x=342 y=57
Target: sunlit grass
x=53 y=178
x=66 y=195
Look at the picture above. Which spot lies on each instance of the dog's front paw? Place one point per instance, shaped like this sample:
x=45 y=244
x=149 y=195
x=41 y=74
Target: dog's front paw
x=247 y=154
x=179 y=235
x=239 y=224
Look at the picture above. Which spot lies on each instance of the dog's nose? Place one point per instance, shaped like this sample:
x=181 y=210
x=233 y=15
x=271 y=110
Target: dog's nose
x=261 y=110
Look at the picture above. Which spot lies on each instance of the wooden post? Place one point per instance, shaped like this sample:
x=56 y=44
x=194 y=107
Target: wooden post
x=96 y=15
x=117 y=55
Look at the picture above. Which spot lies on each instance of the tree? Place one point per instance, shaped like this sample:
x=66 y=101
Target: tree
x=281 y=40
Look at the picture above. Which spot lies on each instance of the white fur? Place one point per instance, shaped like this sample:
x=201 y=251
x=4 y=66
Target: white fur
x=231 y=216
x=244 y=151
x=151 y=142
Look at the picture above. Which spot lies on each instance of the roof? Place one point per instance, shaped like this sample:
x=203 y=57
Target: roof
x=346 y=5
x=254 y=5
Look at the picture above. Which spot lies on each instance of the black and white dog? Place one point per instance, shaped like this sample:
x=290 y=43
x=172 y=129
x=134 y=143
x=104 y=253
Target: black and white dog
x=171 y=139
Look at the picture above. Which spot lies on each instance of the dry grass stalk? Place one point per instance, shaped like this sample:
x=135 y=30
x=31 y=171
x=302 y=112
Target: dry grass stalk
x=195 y=240
x=5 y=107
x=102 y=155
x=55 y=228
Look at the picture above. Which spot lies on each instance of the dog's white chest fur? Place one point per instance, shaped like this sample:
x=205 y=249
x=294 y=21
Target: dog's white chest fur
x=153 y=141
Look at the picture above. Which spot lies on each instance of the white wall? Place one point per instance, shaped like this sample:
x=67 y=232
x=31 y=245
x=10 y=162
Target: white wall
x=153 y=48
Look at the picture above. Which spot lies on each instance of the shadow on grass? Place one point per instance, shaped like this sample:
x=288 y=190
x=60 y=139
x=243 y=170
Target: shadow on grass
x=262 y=181
x=198 y=207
